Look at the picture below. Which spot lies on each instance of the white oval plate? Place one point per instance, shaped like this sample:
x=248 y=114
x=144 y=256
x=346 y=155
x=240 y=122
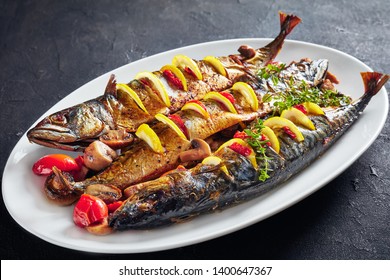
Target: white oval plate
x=22 y=190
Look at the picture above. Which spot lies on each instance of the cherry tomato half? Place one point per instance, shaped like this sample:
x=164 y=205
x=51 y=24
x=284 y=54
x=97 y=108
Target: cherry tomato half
x=89 y=210
x=44 y=165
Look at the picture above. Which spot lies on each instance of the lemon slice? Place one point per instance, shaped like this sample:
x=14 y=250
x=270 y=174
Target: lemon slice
x=156 y=84
x=279 y=122
x=133 y=95
x=273 y=139
x=164 y=119
x=249 y=94
x=216 y=64
x=213 y=160
x=298 y=117
x=147 y=134
x=183 y=61
x=251 y=156
x=313 y=108
x=216 y=96
x=196 y=106
x=176 y=71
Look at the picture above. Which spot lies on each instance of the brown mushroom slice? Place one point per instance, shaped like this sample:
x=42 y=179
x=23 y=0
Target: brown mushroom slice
x=58 y=192
x=98 y=156
x=199 y=151
x=107 y=193
x=117 y=139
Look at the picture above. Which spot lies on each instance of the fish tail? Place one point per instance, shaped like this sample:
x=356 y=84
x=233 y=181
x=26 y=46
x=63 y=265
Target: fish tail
x=373 y=82
x=287 y=24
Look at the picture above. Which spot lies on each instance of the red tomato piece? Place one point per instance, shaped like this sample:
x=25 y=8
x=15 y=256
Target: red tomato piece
x=180 y=124
x=172 y=79
x=288 y=131
x=44 y=165
x=89 y=210
x=229 y=96
x=301 y=108
x=240 y=134
x=113 y=206
x=245 y=151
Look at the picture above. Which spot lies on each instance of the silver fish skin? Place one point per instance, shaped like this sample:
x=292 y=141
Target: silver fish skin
x=203 y=189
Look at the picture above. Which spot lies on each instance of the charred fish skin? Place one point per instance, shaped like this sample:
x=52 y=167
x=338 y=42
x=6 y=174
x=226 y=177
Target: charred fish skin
x=61 y=130
x=192 y=192
x=183 y=195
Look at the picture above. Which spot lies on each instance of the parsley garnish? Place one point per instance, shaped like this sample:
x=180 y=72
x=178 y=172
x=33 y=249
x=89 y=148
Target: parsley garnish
x=259 y=146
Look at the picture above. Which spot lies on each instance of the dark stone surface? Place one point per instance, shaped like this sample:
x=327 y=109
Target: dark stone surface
x=50 y=48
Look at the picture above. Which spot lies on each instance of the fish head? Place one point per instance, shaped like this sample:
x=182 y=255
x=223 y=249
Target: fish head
x=73 y=128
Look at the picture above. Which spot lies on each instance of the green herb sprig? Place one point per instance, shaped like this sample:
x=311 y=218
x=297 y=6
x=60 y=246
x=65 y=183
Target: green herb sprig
x=271 y=71
x=302 y=92
x=259 y=147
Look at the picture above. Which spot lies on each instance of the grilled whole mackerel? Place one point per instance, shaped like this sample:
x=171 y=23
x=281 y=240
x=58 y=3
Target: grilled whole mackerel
x=205 y=188
x=76 y=127
x=140 y=163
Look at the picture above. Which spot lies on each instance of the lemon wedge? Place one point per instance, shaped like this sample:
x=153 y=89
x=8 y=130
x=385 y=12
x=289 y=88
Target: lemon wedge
x=213 y=160
x=249 y=94
x=147 y=134
x=216 y=64
x=298 y=117
x=164 y=119
x=196 y=106
x=273 y=139
x=245 y=147
x=216 y=96
x=313 y=108
x=156 y=84
x=182 y=61
x=177 y=73
x=133 y=95
x=279 y=122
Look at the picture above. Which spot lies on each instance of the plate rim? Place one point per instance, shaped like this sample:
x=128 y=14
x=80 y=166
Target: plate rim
x=291 y=201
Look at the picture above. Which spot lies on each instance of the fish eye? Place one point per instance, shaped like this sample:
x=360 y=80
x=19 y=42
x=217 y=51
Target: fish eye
x=59 y=119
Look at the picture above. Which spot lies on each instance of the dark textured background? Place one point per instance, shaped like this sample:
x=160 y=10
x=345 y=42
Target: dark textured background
x=50 y=48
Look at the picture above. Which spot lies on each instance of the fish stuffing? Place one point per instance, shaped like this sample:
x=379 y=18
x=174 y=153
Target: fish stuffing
x=205 y=188
x=115 y=116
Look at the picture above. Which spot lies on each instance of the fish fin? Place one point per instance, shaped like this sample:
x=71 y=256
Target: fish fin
x=373 y=82
x=111 y=86
x=288 y=22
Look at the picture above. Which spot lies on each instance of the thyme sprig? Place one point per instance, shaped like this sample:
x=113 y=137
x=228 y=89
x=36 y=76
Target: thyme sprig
x=271 y=71
x=256 y=141
x=298 y=93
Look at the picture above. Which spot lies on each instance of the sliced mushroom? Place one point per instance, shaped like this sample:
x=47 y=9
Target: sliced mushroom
x=98 y=156
x=117 y=139
x=199 y=151
x=58 y=191
x=107 y=193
